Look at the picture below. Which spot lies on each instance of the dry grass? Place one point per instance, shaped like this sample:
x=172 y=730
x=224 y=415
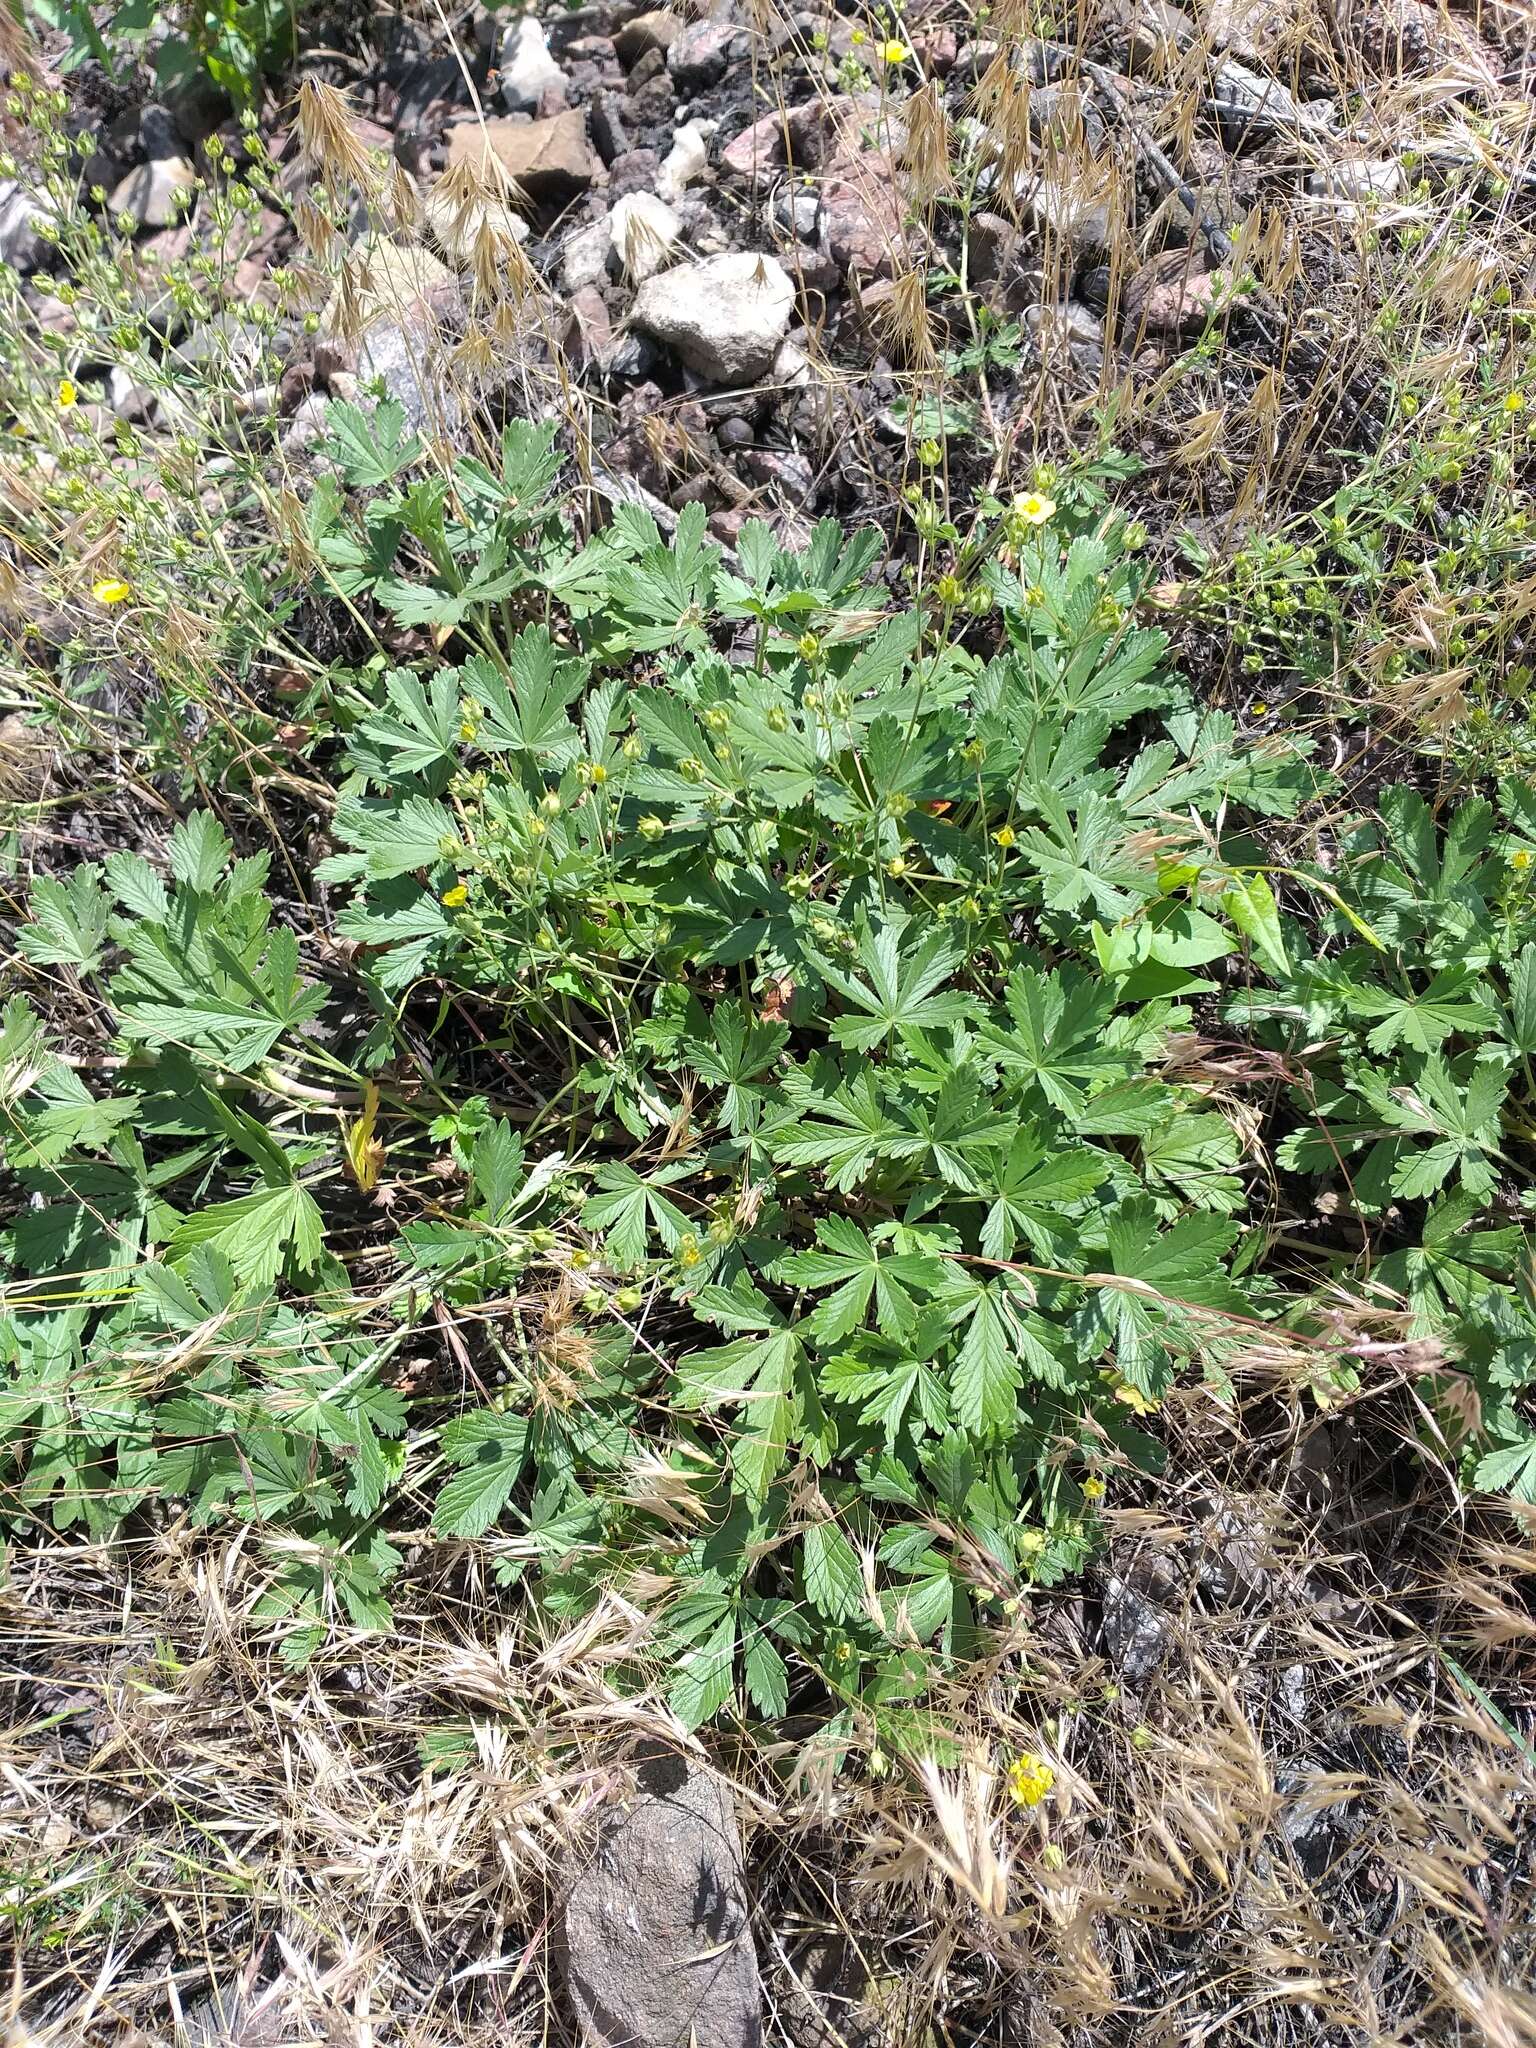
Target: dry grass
x=1310 y=1825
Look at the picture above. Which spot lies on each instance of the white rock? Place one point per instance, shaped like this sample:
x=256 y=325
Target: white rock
x=687 y=159
x=791 y=367
x=1359 y=178
x=645 y=231
x=1078 y=216
x=725 y=317
x=457 y=227
x=528 y=71
x=150 y=194
x=585 y=257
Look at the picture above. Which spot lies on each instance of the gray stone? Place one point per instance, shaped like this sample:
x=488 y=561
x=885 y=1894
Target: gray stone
x=151 y=196
x=458 y=226
x=584 y=260
x=1079 y=215
x=307 y=425
x=645 y=231
x=159 y=133
x=797 y=211
x=1137 y=1636
x=528 y=71
x=657 y=30
x=130 y=400
x=725 y=316
x=21 y=210
x=657 y=1931
x=700 y=56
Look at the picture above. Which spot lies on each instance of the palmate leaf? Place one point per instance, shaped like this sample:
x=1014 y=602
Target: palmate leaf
x=904 y=987
x=489 y=1451
x=1031 y=1187
x=416 y=730
x=256 y=1232
x=844 y=1133
x=369 y=446
x=1054 y=1038
x=1176 y=1289
x=527 y=712
x=69 y=926
x=834 y=1576
x=860 y=1270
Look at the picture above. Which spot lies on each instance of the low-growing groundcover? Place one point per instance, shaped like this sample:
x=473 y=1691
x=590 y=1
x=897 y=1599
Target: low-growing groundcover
x=766 y=1094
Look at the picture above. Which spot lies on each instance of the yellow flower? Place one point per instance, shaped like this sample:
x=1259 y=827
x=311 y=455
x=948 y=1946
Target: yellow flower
x=456 y=897
x=1030 y=1778
x=67 y=394
x=1515 y=402
x=858 y=36
x=1005 y=837
x=1520 y=859
x=1034 y=508
x=1260 y=709
x=895 y=52
x=1093 y=1489
x=111 y=590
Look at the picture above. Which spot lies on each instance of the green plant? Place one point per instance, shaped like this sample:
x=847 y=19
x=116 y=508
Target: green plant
x=798 y=986
x=235 y=43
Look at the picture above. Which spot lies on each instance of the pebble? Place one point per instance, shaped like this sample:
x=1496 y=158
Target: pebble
x=644 y=232
x=725 y=316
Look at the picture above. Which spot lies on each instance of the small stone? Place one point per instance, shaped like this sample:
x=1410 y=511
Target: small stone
x=584 y=260
x=799 y=212
x=393 y=281
x=1080 y=217
x=686 y=160
x=757 y=153
x=1137 y=1636
x=550 y=161
x=160 y=134
x=589 y=326
x=1182 y=305
x=307 y=425
x=792 y=367
x=1072 y=326
x=790 y=474
x=658 y=1932
x=701 y=54
x=459 y=226
x=635 y=171
x=151 y=195
x=735 y=433
x=644 y=232
x=656 y=30
x=992 y=241
x=129 y=400
x=1359 y=178
x=862 y=211
x=610 y=137
x=528 y=70
x=21 y=211
x=725 y=316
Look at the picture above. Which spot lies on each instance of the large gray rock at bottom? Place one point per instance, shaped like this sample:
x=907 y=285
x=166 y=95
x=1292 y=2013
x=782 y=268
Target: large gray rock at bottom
x=658 y=1942
x=725 y=316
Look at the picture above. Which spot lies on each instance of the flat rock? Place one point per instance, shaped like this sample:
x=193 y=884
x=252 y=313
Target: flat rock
x=394 y=281
x=151 y=194
x=21 y=212
x=657 y=1931
x=550 y=160
x=725 y=316
x=584 y=259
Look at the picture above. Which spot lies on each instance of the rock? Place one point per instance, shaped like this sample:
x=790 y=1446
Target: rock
x=1172 y=295
x=131 y=401
x=551 y=161
x=862 y=215
x=21 y=213
x=993 y=241
x=937 y=50
x=657 y=30
x=657 y=1934
x=392 y=281
x=758 y=152
x=458 y=225
x=589 y=328
x=798 y=212
x=1359 y=177
x=1256 y=104
x=1072 y=326
x=636 y=171
x=584 y=260
x=791 y=475
x=700 y=55
x=528 y=70
x=1315 y=1821
x=686 y=160
x=1137 y=1636
x=1076 y=214
x=725 y=317
x=610 y=137
x=160 y=133
x=307 y=425
x=407 y=359
x=651 y=105
x=792 y=367
x=151 y=196
x=644 y=232
x=735 y=433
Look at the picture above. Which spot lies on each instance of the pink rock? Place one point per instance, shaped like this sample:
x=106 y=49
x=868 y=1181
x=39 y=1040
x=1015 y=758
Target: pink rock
x=757 y=150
